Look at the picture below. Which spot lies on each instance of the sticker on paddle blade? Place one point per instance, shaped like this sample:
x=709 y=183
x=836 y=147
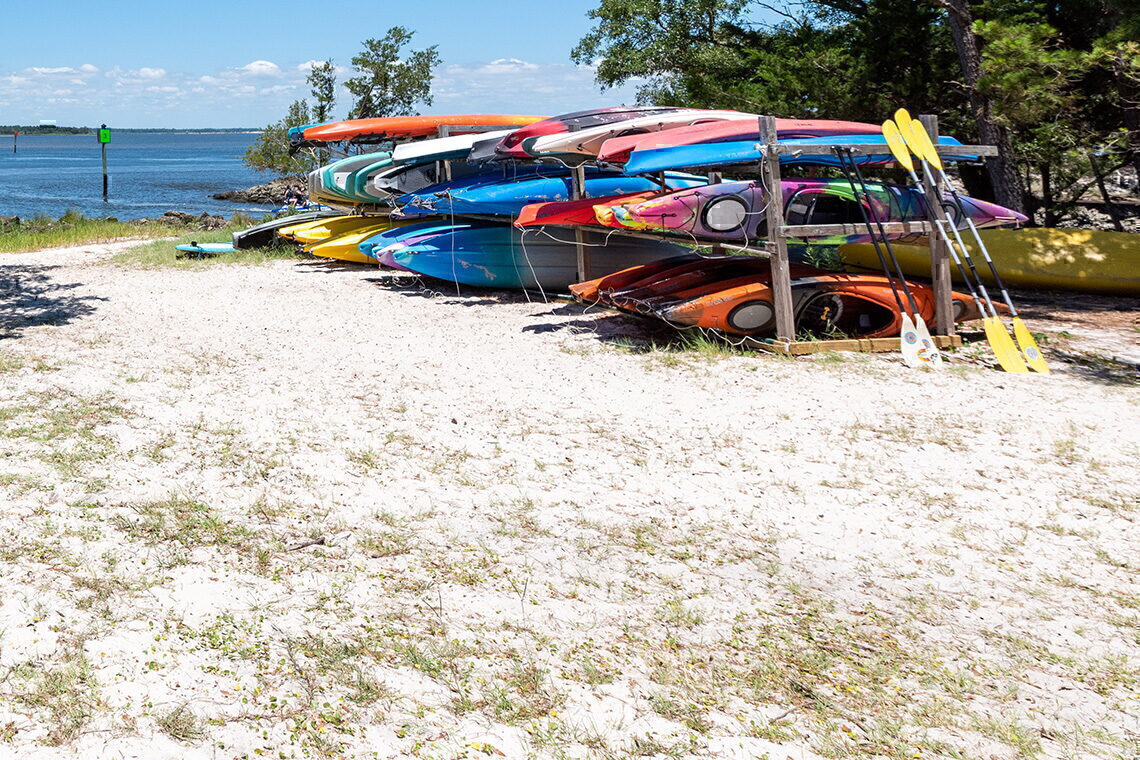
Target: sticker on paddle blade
x=909 y=343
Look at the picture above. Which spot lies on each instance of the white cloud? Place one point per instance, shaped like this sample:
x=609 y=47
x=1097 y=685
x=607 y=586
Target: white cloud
x=307 y=66
x=506 y=66
x=262 y=69
x=149 y=73
x=88 y=68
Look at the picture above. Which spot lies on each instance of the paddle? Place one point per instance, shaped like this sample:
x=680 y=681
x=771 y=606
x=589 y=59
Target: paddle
x=910 y=337
x=1000 y=342
x=920 y=142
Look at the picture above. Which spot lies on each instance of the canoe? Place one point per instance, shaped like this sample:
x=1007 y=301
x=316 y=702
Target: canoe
x=506 y=257
x=617 y=149
x=498 y=197
x=748 y=152
x=405 y=127
x=261 y=235
x=585 y=143
x=515 y=145
x=735 y=211
x=1086 y=261
x=734 y=295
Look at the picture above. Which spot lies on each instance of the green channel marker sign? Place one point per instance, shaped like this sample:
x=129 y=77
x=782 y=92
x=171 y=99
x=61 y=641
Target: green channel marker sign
x=104 y=136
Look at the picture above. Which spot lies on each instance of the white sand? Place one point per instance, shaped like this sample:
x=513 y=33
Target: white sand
x=533 y=542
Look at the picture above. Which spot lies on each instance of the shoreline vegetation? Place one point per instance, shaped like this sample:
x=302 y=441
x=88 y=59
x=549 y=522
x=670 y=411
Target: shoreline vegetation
x=73 y=228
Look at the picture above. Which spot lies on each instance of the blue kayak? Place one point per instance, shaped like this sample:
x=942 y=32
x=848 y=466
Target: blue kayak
x=372 y=246
x=748 y=151
x=499 y=197
x=505 y=257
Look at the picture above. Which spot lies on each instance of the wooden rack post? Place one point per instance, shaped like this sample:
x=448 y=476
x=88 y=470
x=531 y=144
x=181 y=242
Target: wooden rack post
x=779 y=232
x=715 y=178
x=939 y=252
x=577 y=193
x=777 y=242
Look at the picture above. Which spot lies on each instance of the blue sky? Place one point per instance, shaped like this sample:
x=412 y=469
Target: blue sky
x=241 y=62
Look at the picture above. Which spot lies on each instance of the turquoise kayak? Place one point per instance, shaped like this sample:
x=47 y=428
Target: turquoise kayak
x=506 y=257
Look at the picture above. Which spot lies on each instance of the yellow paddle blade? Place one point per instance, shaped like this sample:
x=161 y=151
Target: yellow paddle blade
x=1002 y=344
x=920 y=143
x=902 y=119
x=897 y=143
x=1029 y=347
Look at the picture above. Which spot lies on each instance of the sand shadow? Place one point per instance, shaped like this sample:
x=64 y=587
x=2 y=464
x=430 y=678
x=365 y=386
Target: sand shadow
x=29 y=297
x=1098 y=368
x=412 y=285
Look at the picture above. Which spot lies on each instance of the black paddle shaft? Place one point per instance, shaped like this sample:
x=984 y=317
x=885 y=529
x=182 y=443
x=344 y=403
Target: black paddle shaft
x=882 y=232
x=870 y=231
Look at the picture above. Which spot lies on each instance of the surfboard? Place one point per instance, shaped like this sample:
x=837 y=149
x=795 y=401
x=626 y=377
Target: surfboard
x=194 y=250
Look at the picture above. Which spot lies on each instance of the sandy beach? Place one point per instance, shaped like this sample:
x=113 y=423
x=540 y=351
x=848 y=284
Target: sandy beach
x=296 y=509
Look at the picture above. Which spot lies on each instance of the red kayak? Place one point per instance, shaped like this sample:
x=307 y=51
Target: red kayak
x=574 y=213
x=405 y=127
x=513 y=145
x=617 y=149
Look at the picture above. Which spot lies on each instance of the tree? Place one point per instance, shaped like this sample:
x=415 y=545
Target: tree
x=391 y=81
x=322 y=86
x=270 y=152
x=1046 y=81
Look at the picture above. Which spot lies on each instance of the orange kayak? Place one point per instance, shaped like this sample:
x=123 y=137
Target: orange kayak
x=404 y=127
x=733 y=294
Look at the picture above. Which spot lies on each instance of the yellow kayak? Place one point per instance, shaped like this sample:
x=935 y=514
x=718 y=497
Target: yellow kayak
x=311 y=233
x=1088 y=261
x=345 y=247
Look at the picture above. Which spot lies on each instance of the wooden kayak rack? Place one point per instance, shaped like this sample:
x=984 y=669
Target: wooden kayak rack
x=776 y=248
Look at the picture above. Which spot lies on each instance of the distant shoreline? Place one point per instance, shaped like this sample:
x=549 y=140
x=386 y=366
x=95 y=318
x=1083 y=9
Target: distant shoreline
x=7 y=131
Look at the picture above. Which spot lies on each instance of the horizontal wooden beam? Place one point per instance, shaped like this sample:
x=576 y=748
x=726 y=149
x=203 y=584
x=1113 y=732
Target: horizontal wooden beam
x=863 y=149
x=823 y=230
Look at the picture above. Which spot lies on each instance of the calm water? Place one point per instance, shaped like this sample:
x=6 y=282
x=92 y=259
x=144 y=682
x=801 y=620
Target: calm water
x=150 y=173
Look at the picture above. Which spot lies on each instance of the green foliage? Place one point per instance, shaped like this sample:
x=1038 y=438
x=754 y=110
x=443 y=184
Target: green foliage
x=390 y=80
x=1062 y=77
x=270 y=152
x=322 y=84
x=814 y=64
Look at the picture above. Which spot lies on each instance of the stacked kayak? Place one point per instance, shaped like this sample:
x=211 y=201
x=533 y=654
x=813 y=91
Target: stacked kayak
x=506 y=257
x=491 y=203
x=735 y=211
x=733 y=294
x=496 y=195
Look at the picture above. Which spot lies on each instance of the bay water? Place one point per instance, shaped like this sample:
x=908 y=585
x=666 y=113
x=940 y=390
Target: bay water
x=151 y=173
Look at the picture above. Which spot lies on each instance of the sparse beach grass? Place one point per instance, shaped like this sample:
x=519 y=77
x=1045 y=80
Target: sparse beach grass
x=287 y=531
x=160 y=254
x=75 y=229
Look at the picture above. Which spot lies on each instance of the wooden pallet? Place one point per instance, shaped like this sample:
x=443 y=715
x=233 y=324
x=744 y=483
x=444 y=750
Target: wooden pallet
x=802 y=347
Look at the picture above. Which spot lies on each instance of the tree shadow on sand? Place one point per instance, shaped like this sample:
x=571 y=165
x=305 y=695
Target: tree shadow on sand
x=30 y=297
